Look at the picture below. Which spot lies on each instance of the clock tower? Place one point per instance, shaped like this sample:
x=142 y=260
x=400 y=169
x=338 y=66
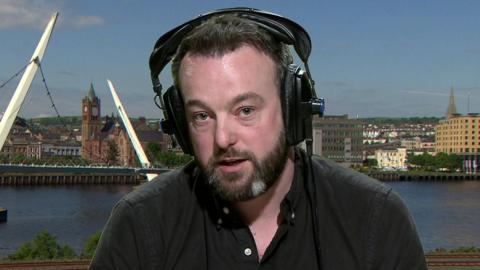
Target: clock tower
x=91 y=125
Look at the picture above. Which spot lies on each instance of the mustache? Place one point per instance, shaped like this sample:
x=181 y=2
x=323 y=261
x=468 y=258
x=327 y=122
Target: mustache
x=231 y=153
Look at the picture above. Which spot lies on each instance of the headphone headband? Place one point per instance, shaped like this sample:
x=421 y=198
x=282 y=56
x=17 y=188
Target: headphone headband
x=286 y=30
x=298 y=97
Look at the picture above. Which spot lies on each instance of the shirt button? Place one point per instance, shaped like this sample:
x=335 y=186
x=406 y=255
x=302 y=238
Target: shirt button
x=226 y=210
x=219 y=221
x=247 y=252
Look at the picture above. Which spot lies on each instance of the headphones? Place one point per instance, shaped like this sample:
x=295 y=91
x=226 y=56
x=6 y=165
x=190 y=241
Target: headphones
x=298 y=98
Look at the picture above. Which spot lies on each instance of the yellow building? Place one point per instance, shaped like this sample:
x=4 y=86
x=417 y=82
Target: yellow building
x=459 y=134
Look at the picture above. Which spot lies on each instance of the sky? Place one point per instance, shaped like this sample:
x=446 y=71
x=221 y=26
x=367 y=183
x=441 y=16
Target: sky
x=369 y=58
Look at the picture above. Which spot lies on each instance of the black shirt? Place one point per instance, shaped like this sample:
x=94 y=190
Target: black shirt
x=175 y=222
x=230 y=244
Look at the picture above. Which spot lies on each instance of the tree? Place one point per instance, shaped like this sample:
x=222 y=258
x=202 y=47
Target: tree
x=91 y=246
x=372 y=162
x=43 y=247
x=448 y=161
x=169 y=159
x=153 y=150
x=112 y=152
x=441 y=160
x=18 y=159
x=172 y=160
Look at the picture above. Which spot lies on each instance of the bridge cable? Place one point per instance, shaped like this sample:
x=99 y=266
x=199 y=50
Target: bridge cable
x=37 y=62
x=16 y=74
x=51 y=98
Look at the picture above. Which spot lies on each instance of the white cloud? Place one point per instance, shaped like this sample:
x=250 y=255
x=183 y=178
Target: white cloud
x=21 y=13
x=86 y=21
x=35 y=14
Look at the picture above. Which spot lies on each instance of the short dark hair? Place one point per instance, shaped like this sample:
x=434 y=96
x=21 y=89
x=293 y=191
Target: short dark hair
x=223 y=34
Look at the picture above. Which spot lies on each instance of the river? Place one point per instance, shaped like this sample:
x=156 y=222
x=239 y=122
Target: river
x=447 y=214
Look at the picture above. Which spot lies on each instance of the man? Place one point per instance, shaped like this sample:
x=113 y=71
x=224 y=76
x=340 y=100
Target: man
x=250 y=199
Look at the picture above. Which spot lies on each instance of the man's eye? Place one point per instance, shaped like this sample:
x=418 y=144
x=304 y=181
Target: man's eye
x=202 y=116
x=246 y=111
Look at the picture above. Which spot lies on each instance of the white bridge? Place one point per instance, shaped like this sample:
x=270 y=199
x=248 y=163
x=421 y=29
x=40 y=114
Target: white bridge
x=18 y=97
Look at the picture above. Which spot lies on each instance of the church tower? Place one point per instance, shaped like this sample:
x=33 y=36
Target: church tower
x=91 y=125
x=452 y=109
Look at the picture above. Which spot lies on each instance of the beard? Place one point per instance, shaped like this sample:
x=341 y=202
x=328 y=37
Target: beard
x=243 y=186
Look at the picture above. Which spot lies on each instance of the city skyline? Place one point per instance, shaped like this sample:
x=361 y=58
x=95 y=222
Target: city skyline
x=368 y=59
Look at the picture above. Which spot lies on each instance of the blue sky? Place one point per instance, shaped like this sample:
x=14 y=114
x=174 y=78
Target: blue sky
x=369 y=58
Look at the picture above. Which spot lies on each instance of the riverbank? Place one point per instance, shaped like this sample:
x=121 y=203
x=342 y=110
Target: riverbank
x=35 y=175
x=422 y=176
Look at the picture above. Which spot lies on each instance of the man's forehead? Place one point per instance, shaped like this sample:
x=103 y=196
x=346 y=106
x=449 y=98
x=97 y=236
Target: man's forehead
x=247 y=52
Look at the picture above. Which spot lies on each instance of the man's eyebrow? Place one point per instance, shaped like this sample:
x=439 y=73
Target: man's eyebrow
x=246 y=96
x=236 y=100
x=196 y=102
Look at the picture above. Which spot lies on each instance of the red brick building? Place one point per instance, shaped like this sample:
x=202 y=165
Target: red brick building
x=96 y=134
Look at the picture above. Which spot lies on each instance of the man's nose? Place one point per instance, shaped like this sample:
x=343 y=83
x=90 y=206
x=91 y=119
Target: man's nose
x=225 y=133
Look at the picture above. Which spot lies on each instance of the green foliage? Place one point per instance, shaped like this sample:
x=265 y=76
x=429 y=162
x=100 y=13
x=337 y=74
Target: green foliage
x=172 y=160
x=90 y=246
x=53 y=160
x=18 y=159
x=112 y=152
x=43 y=247
x=4 y=158
x=67 y=252
x=470 y=249
x=168 y=159
x=371 y=162
x=153 y=150
x=451 y=162
x=438 y=250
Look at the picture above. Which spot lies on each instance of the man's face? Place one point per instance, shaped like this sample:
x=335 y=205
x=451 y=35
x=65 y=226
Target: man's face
x=235 y=120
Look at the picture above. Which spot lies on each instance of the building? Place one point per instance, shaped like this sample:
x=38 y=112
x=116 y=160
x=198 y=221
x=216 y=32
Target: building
x=38 y=143
x=411 y=144
x=391 y=159
x=338 y=138
x=61 y=148
x=428 y=147
x=20 y=146
x=99 y=135
x=452 y=108
x=459 y=134
x=91 y=126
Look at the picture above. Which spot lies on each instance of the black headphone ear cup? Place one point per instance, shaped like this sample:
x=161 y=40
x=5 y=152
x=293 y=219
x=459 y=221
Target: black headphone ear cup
x=296 y=95
x=176 y=122
x=288 y=100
